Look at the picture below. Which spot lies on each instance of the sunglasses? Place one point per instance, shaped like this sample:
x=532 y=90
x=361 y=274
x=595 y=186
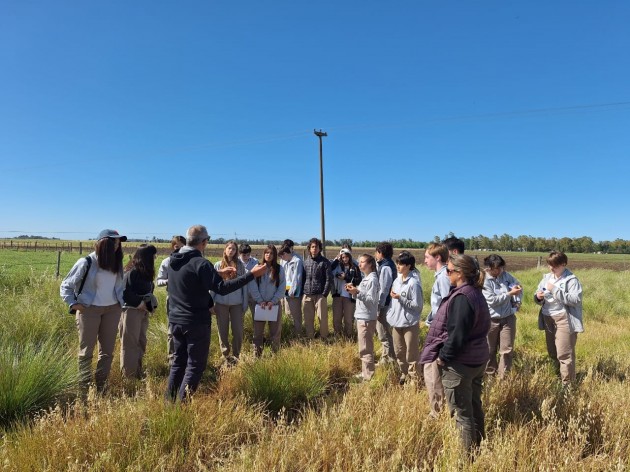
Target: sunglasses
x=450 y=271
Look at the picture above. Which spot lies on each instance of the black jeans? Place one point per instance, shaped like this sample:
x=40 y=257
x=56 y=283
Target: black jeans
x=192 y=346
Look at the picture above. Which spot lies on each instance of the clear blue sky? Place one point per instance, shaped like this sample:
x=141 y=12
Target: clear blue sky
x=472 y=117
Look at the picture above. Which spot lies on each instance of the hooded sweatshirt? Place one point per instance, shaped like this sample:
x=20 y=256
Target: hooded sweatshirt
x=190 y=279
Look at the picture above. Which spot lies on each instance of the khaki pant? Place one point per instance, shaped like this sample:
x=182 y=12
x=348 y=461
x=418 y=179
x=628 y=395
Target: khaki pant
x=343 y=315
x=435 y=389
x=133 y=328
x=312 y=304
x=97 y=324
x=384 y=332
x=365 y=337
x=561 y=345
x=275 y=331
x=230 y=315
x=407 y=349
x=293 y=308
x=501 y=337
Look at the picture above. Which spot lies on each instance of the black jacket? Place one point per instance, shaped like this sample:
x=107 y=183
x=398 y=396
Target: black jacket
x=318 y=278
x=190 y=279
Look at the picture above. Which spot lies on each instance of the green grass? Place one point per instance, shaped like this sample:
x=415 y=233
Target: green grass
x=232 y=422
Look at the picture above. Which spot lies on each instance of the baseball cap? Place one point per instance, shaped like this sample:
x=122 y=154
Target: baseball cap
x=111 y=233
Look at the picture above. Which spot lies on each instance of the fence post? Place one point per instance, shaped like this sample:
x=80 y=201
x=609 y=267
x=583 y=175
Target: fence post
x=35 y=246
x=58 y=262
x=539 y=262
x=80 y=247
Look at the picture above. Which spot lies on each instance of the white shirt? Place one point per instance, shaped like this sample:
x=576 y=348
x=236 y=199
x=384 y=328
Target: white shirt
x=105 y=282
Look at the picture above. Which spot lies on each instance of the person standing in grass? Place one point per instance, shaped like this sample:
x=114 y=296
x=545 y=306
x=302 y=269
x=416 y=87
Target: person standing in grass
x=294 y=273
x=436 y=258
x=94 y=292
x=457 y=340
x=139 y=304
x=230 y=308
x=268 y=290
x=317 y=285
x=503 y=294
x=177 y=243
x=191 y=277
x=560 y=295
x=366 y=313
x=386 y=274
x=344 y=271
x=249 y=261
x=404 y=316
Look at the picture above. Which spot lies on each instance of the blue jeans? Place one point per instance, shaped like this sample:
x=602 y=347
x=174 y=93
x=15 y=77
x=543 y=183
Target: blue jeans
x=192 y=346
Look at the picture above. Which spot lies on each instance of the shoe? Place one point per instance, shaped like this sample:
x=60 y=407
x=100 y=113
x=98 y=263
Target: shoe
x=358 y=377
x=403 y=379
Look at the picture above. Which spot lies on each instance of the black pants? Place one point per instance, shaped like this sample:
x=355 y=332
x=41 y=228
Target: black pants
x=192 y=346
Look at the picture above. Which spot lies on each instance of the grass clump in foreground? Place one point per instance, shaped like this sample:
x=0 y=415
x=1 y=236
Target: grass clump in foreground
x=32 y=378
x=291 y=379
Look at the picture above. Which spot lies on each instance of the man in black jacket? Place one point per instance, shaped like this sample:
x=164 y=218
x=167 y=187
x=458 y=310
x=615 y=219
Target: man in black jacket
x=317 y=284
x=190 y=278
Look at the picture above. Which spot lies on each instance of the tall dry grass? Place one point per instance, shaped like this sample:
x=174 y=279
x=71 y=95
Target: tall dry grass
x=532 y=423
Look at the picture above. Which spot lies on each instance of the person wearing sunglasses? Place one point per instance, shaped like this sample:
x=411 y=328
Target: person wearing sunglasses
x=457 y=340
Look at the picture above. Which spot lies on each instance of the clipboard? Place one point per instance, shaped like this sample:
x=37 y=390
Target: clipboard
x=262 y=314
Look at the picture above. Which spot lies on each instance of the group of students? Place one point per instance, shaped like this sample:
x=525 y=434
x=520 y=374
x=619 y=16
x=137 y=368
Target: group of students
x=472 y=319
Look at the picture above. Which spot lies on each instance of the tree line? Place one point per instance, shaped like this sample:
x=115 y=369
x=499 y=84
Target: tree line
x=505 y=242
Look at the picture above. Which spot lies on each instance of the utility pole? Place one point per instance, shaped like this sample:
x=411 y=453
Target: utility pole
x=321 y=134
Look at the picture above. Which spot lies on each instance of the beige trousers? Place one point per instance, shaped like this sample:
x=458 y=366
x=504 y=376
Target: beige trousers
x=561 y=345
x=407 y=349
x=501 y=337
x=435 y=389
x=230 y=315
x=97 y=324
x=365 y=337
x=133 y=328
x=275 y=331
x=343 y=315
x=312 y=304
x=293 y=308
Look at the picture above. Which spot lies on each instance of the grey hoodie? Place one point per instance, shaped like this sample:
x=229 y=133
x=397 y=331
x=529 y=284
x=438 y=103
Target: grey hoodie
x=567 y=291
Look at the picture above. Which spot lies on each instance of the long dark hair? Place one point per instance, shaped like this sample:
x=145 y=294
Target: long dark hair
x=107 y=256
x=143 y=261
x=350 y=265
x=275 y=267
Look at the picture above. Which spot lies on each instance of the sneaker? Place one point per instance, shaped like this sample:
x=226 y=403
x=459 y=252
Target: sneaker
x=403 y=379
x=358 y=377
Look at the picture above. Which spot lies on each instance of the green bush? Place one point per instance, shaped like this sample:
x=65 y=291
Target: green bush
x=286 y=381
x=32 y=378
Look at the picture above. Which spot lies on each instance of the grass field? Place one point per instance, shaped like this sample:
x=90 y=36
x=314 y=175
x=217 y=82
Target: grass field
x=299 y=410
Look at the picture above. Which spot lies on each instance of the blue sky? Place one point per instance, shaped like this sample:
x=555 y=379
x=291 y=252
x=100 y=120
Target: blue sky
x=472 y=117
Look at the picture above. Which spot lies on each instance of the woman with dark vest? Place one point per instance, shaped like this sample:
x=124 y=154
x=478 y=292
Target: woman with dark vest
x=457 y=339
